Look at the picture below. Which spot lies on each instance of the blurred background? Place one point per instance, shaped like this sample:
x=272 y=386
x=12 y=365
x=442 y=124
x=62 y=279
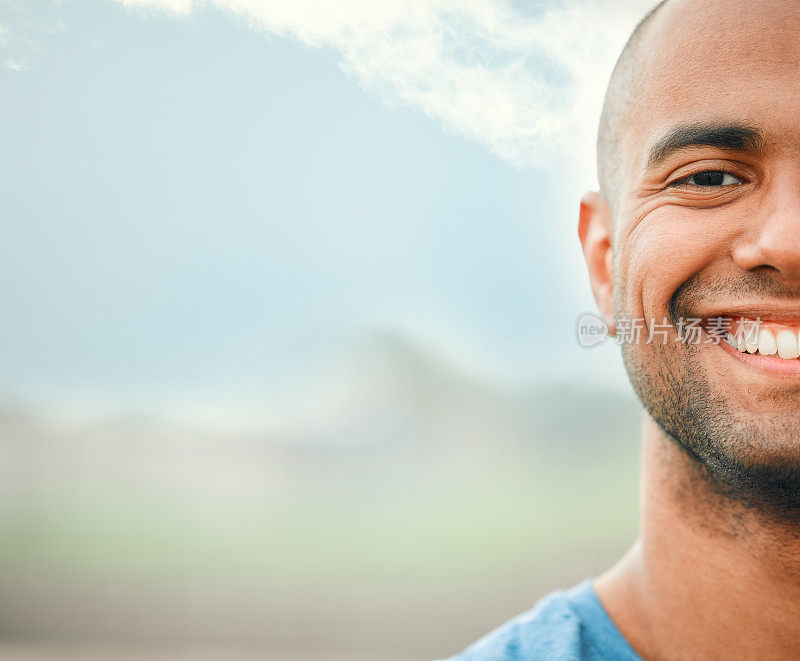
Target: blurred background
x=289 y=294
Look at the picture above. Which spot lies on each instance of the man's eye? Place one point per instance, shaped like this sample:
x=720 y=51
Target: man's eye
x=711 y=178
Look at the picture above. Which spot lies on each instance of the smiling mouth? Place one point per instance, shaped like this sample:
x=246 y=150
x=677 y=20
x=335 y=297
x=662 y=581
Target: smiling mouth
x=756 y=336
x=767 y=346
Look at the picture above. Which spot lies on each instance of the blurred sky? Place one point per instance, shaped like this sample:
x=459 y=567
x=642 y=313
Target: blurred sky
x=209 y=199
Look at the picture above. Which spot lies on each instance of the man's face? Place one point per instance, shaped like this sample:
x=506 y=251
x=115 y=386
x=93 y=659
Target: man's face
x=713 y=230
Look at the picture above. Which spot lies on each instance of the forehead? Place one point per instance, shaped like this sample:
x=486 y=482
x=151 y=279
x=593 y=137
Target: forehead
x=716 y=61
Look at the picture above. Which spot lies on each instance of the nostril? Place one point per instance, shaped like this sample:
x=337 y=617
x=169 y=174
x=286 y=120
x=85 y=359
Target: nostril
x=765 y=268
x=783 y=276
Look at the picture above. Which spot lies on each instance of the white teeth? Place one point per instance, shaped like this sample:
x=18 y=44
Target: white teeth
x=766 y=341
x=787 y=344
x=751 y=340
x=767 y=345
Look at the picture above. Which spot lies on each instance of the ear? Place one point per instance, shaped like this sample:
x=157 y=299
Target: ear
x=594 y=230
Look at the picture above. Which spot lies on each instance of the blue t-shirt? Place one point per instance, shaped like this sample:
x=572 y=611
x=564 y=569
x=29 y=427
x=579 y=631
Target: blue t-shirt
x=564 y=625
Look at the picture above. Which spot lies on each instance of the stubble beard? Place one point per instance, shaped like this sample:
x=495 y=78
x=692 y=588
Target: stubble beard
x=755 y=462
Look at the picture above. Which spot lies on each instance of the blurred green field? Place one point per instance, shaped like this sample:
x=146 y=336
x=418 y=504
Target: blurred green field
x=464 y=511
x=498 y=520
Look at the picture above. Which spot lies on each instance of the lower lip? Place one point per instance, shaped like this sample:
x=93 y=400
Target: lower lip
x=768 y=364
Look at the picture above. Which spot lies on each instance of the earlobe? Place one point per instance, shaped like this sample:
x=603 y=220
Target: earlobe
x=594 y=231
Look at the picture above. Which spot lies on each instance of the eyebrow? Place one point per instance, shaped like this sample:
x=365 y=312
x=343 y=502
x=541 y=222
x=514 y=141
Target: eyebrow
x=731 y=137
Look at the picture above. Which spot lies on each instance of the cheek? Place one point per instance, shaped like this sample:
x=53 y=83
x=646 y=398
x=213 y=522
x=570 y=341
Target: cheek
x=666 y=248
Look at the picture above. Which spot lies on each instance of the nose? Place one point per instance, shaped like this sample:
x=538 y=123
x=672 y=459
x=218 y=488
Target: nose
x=773 y=241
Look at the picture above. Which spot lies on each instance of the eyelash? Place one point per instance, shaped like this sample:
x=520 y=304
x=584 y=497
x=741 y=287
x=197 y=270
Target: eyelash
x=683 y=181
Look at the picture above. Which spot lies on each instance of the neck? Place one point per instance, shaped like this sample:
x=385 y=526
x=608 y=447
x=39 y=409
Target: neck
x=709 y=577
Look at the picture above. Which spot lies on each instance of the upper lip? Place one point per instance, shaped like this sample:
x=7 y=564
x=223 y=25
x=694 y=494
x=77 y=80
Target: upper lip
x=772 y=312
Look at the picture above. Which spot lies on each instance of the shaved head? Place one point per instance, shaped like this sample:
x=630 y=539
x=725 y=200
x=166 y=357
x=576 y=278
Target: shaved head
x=699 y=162
x=621 y=90
x=693 y=239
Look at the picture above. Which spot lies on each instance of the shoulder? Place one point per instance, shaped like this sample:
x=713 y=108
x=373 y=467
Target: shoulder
x=550 y=630
x=564 y=625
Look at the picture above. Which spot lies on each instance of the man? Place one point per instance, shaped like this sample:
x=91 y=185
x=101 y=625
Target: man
x=698 y=218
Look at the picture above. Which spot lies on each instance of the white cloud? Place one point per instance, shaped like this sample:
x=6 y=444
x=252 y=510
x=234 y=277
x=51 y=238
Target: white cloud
x=525 y=85
x=172 y=6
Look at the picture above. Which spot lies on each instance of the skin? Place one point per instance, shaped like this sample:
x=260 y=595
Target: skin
x=715 y=573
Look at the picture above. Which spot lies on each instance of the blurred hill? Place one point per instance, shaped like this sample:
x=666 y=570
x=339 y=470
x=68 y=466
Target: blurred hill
x=402 y=504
